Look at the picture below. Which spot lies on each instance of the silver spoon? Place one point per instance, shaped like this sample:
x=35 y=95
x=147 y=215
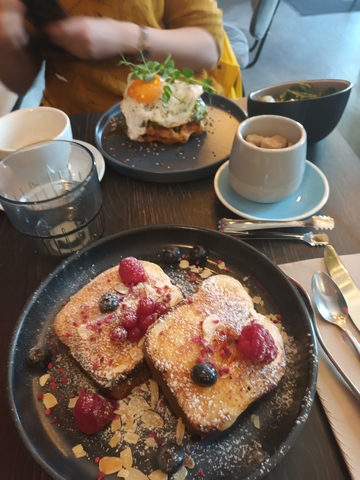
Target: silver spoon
x=322 y=347
x=331 y=304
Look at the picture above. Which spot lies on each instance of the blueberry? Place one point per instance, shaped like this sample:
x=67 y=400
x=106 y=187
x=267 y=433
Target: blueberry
x=109 y=302
x=203 y=374
x=171 y=458
x=198 y=255
x=38 y=354
x=172 y=255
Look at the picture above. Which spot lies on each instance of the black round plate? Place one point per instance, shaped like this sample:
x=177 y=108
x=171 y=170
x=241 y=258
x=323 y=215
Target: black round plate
x=241 y=453
x=155 y=162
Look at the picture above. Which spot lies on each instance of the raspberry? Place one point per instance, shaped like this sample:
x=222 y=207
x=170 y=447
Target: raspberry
x=146 y=306
x=135 y=334
x=92 y=413
x=119 y=334
x=146 y=320
x=161 y=308
x=256 y=343
x=131 y=271
x=130 y=319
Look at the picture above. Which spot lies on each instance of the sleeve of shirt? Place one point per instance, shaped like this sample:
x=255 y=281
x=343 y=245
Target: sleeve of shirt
x=196 y=13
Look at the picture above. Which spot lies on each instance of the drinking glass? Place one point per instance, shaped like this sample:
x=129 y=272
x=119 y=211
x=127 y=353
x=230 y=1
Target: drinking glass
x=51 y=192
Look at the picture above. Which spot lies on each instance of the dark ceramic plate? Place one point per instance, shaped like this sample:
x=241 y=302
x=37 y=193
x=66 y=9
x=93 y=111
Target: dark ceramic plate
x=199 y=157
x=241 y=453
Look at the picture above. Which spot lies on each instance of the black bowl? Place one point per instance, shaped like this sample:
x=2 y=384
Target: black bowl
x=319 y=116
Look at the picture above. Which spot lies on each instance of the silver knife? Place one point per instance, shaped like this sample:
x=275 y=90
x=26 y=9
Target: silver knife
x=344 y=281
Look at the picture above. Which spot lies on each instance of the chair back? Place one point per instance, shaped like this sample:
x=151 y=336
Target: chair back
x=263 y=14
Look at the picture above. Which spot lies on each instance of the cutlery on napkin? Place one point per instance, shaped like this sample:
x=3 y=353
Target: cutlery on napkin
x=344 y=281
x=340 y=405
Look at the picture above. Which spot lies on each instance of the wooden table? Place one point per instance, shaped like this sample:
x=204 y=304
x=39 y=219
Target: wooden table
x=130 y=203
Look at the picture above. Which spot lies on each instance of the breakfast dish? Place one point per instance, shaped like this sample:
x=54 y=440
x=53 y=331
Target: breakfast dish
x=157 y=162
x=99 y=325
x=206 y=375
x=244 y=451
x=163 y=104
x=309 y=198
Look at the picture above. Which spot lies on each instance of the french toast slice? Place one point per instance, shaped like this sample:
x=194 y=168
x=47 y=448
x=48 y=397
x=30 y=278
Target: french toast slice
x=115 y=367
x=205 y=329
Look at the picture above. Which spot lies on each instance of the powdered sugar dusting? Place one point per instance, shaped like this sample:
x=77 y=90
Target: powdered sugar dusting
x=239 y=449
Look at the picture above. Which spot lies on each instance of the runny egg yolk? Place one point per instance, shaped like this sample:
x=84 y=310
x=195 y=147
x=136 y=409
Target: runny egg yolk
x=146 y=92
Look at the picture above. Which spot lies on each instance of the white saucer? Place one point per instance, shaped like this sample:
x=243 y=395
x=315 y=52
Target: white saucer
x=99 y=159
x=312 y=194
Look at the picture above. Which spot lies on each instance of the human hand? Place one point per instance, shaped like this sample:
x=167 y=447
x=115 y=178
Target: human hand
x=13 y=34
x=85 y=37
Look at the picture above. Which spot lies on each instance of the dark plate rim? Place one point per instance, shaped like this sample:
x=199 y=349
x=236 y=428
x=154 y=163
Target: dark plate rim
x=254 y=93
x=163 y=175
x=306 y=404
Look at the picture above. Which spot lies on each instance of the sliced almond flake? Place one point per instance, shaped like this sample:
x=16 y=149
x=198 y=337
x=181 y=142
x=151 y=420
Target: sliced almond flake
x=115 y=439
x=258 y=300
x=49 y=400
x=135 y=474
x=141 y=342
x=180 y=431
x=137 y=404
x=145 y=387
x=136 y=390
x=78 y=451
x=158 y=475
x=206 y=273
x=127 y=458
x=152 y=419
x=256 y=420
x=136 y=353
x=131 y=437
x=61 y=78
x=130 y=426
x=195 y=269
x=122 y=288
x=122 y=408
x=116 y=424
x=210 y=324
x=123 y=473
x=72 y=402
x=221 y=266
x=181 y=474
x=43 y=379
x=151 y=442
x=109 y=465
x=120 y=368
x=189 y=462
x=154 y=390
x=184 y=264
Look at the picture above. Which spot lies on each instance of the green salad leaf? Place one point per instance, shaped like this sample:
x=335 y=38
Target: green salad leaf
x=149 y=69
x=302 y=91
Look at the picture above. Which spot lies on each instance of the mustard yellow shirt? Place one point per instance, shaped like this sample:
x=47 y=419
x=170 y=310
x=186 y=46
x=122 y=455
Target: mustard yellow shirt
x=79 y=86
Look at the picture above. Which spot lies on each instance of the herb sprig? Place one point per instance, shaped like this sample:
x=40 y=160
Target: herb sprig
x=149 y=69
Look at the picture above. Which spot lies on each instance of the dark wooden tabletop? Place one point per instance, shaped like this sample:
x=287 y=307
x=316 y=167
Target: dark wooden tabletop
x=131 y=203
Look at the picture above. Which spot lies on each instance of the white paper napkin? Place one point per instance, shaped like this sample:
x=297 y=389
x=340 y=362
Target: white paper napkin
x=340 y=405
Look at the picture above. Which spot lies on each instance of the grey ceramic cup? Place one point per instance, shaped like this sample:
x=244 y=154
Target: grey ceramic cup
x=267 y=175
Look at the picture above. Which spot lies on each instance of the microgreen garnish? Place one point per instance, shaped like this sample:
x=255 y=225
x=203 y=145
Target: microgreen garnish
x=149 y=69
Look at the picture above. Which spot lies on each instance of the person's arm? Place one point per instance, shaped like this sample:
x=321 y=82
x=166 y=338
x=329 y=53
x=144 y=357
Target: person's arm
x=18 y=67
x=93 y=38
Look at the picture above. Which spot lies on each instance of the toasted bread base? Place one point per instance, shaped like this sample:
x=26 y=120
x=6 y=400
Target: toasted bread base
x=210 y=325
x=115 y=367
x=170 y=135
